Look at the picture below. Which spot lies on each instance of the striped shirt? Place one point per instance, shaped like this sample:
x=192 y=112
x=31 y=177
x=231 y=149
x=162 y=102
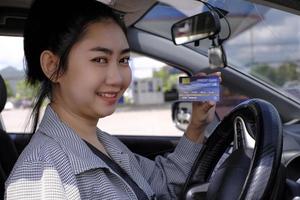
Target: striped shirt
x=58 y=164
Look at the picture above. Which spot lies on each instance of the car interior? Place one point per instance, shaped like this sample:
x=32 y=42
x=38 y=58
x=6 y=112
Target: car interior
x=284 y=182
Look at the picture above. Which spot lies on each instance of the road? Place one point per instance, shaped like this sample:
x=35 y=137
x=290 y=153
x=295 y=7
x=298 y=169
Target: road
x=140 y=120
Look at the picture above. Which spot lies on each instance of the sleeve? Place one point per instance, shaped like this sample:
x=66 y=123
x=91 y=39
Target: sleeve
x=166 y=175
x=34 y=180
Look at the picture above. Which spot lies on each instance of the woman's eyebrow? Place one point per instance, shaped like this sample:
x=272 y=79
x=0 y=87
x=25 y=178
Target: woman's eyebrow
x=102 y=49
x=109 y=51
x=124 y=51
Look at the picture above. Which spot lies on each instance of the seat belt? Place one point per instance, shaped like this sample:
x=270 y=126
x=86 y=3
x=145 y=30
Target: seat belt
x=115 y=167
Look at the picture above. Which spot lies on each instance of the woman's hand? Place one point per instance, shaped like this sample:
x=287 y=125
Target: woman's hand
x=202 y=114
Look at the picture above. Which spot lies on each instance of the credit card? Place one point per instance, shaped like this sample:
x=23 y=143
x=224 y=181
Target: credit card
x=199 y=88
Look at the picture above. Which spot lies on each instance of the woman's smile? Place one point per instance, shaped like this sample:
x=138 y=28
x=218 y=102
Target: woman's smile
x=109 y=97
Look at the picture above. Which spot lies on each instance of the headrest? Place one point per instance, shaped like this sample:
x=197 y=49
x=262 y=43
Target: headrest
x=3 y=93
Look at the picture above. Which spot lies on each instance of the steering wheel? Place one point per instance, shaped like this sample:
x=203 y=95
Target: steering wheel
x=250 y=171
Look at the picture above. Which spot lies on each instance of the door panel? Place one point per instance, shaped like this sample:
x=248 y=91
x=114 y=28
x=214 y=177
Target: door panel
x=148 y=146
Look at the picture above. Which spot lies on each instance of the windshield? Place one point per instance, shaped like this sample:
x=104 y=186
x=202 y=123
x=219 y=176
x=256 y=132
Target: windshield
x=264 y=42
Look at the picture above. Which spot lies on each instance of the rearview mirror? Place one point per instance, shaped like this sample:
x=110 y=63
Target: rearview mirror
x=195 y=28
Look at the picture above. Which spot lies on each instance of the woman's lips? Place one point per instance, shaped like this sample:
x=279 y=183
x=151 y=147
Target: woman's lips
x=109 y=97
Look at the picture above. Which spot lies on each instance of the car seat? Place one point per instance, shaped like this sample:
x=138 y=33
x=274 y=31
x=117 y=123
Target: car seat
x=8 y=151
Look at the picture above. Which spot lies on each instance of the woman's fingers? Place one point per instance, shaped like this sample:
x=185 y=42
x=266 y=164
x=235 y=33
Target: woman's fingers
x=205 y=106
x=215 y=74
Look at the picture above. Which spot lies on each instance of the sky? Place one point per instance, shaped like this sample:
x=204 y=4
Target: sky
x=276 y=38
x=11 y=52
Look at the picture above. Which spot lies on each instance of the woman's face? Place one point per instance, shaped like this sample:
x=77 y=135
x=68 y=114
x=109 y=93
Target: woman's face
x=98 y=72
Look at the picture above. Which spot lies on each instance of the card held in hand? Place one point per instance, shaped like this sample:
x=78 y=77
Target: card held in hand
x=199 y=88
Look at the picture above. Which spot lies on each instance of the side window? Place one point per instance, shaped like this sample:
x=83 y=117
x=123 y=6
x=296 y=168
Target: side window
x=229 y=99
x=145 y=108
x=17 y=109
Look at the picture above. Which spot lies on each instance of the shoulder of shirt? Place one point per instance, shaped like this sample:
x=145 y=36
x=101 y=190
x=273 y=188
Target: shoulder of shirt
x=41 y=152
x=40 y=149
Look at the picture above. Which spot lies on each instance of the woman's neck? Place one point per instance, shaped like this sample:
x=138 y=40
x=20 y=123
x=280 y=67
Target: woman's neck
x=85 y=128
x=81 y=124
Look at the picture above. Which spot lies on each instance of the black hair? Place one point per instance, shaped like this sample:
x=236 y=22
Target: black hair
x=56 y=25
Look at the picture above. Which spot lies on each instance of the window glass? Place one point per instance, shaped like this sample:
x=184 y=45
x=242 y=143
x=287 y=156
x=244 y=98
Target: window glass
x=144 y=109
x=264 y=41
x=269 y=49
x=17 y=109
x=229 y=99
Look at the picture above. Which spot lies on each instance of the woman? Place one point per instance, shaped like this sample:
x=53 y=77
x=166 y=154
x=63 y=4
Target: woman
x=80 y=58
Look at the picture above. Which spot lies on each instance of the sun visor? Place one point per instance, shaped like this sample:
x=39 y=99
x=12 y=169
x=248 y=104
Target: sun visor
x=133 y=9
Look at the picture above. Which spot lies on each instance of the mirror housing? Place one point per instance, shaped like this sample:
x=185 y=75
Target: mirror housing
x=217 y=57
x=197 y=27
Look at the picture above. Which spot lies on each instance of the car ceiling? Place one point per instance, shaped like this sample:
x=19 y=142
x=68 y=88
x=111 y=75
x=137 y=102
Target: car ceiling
x=15 y=3
x=13 y=12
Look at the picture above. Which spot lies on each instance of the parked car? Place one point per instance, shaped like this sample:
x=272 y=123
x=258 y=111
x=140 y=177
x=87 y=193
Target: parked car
x=259 y=38
x=23 y=103
x=8 y=106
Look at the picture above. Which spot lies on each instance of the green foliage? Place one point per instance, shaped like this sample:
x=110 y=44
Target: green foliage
x=24 y=91
x=10 y=92
x=169 y=80
x=277 y=75
x=287 y=72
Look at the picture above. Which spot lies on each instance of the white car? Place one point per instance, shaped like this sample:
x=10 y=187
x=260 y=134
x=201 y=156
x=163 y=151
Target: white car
x=8 y=106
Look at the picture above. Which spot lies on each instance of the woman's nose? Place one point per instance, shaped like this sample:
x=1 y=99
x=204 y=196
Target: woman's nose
x=114 y=75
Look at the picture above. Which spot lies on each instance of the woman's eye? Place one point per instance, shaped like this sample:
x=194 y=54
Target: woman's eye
x=125 y=60
x=100 y=60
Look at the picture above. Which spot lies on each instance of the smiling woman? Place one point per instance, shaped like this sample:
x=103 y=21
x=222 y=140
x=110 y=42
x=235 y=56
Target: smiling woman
x=71 y=155
x=84 y=73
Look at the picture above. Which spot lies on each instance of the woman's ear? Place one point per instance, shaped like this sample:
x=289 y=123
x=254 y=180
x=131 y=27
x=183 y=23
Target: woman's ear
x=49 y=63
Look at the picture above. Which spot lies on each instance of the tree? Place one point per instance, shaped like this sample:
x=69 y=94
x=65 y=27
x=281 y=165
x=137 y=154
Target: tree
x=24 y=91
x=10 y=92
x=265 y=72
x=287 y=72
x=277 y=76
x=169 y=80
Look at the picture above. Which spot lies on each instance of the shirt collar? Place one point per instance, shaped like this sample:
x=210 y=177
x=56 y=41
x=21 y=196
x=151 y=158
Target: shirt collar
x=80 y=156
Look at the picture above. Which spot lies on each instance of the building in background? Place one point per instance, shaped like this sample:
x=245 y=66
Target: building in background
x=148 y=91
